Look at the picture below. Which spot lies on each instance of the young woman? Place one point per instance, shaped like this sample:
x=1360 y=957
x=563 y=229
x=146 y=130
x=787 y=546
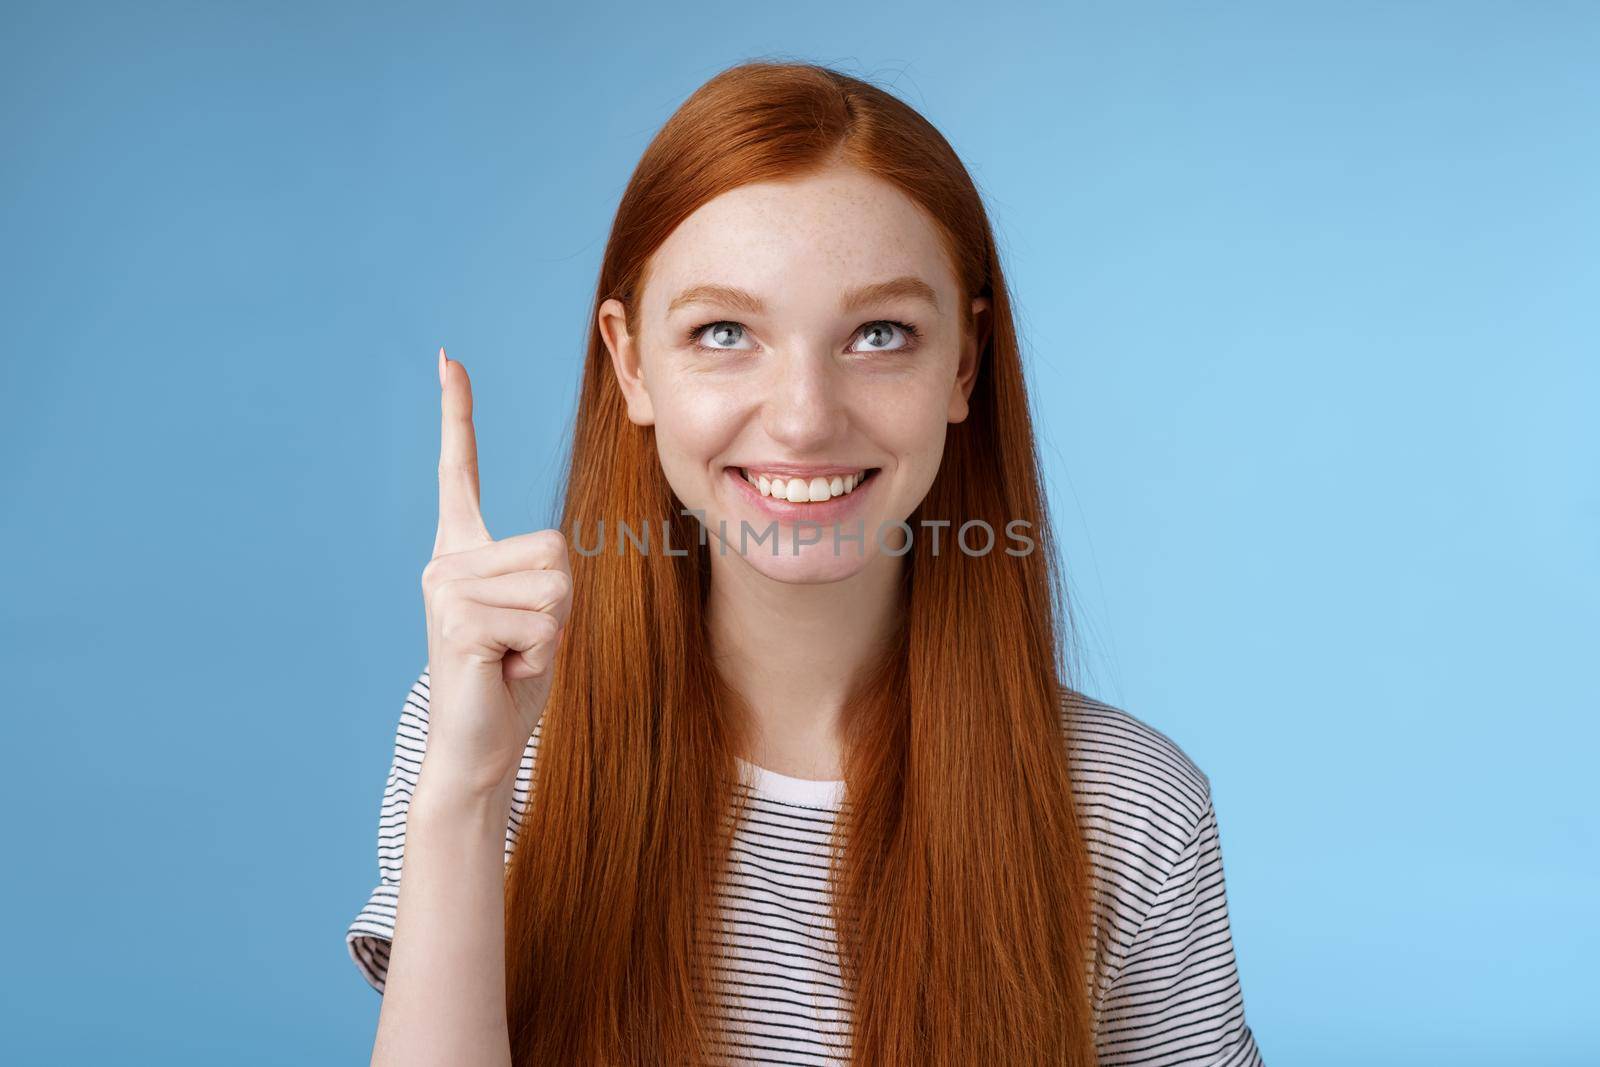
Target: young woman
x=786 y=769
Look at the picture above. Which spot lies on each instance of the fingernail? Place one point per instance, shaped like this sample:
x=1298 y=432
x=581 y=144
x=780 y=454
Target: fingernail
x=441 y=366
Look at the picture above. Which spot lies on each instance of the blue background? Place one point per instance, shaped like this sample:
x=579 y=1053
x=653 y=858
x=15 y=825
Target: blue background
x=1311 y=306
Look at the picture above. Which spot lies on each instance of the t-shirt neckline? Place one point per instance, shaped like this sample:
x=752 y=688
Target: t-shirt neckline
x=809 y=792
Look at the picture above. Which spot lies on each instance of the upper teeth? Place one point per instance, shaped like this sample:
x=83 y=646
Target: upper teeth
x=802 y=490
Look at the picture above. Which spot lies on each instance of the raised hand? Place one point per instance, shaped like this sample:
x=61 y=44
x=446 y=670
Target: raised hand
x=495 y=614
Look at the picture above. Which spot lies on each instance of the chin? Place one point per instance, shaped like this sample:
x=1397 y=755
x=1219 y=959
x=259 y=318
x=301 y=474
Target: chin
x=807 y=564
x=815 y=565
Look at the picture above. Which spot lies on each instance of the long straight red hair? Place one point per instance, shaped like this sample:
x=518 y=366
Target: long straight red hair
x=961 y=877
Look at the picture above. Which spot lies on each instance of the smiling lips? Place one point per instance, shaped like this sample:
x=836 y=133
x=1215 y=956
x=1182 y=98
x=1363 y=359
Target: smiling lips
x=799 y=489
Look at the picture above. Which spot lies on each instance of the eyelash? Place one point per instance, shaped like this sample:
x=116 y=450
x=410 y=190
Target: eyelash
x=913 y=335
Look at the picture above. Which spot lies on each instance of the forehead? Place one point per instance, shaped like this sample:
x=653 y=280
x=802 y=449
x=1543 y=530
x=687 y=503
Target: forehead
x=835 y=230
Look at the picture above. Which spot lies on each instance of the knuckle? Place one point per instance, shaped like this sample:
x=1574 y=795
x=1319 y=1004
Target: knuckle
x=432 y=574
x=538 y=655
x=446 y=592
x=449 y=632
x=538 y=665
x=449 y=605
x=553 y=541
x=455 y=631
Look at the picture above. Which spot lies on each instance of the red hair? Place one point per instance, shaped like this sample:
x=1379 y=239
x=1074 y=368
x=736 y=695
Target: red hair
x=961 y=877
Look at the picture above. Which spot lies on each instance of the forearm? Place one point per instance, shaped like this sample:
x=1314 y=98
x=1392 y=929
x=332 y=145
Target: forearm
x=444 y=995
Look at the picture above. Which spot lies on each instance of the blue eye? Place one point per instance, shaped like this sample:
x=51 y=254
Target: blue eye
x=878 y=328
x=721 y=333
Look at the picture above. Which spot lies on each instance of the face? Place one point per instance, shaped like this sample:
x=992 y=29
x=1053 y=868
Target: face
x=800 y=352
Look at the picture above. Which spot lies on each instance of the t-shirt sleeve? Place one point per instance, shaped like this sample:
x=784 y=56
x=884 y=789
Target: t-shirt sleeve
x=370 y=934
x=1177 y=997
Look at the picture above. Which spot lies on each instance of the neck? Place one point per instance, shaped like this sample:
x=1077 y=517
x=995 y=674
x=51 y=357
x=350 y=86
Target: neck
x=793 y=652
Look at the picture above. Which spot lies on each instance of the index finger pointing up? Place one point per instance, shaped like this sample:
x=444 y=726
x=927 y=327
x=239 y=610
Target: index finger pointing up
x=460 y=518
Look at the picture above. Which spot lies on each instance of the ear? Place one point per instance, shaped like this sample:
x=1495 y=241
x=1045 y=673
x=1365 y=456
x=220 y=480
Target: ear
x=973 y=343
x=625 y=362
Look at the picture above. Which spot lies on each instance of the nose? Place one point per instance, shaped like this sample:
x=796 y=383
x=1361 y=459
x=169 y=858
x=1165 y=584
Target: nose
x=804 y=408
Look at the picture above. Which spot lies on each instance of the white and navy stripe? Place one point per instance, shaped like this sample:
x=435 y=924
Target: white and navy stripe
x=1167 y=988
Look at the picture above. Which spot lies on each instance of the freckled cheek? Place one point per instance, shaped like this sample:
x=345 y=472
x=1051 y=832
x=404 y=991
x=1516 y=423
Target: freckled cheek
x=909 y=422
x=698 y=424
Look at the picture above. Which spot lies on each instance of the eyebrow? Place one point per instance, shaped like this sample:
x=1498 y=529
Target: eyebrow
x=906 y=286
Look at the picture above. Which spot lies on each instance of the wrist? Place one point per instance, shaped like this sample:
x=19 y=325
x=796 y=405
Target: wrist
x=457 y=799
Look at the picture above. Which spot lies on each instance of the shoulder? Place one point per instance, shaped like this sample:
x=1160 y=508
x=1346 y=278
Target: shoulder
x=1166 y=981
x=1140 y=794
x=1142 y=804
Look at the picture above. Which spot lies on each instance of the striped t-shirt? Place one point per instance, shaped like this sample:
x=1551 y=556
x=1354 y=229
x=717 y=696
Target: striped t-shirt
x=1166 y=989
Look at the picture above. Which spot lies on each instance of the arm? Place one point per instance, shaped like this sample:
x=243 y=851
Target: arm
x=427 y=827
x=444 y=996
x=1177 y=998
